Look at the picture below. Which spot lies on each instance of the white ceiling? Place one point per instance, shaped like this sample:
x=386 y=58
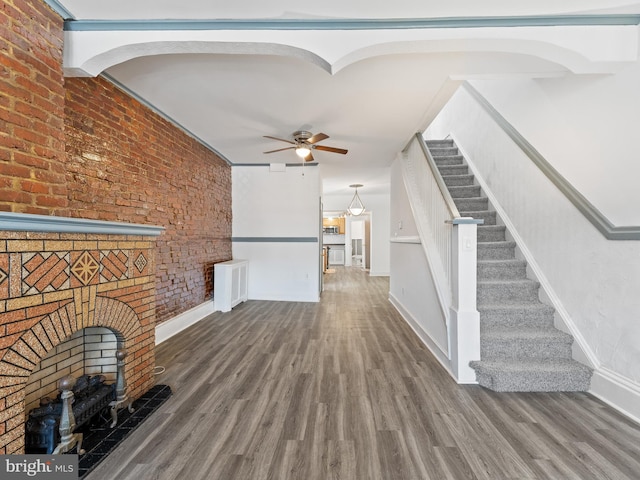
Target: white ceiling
x=371 y=105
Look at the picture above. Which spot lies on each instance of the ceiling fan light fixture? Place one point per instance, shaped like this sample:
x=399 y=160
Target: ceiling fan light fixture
x=302 y=151
x=356 y=207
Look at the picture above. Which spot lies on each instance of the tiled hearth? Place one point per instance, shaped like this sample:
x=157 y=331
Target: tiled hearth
x=60 y=279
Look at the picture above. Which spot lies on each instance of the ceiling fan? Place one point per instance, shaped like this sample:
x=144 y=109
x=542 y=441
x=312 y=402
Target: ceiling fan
x=304 y=142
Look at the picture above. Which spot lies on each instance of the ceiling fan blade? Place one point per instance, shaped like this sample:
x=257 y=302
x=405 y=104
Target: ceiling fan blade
x=318 y=137
x=330 y=149
x=309 y=158
x=280 y=139
x=280 y=149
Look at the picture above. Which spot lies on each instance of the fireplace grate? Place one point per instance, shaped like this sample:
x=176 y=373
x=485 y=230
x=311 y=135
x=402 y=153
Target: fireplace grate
x=100 y=441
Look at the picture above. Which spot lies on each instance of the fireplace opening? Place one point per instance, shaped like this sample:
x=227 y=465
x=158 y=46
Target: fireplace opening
x=78 y=385
x=89 y=351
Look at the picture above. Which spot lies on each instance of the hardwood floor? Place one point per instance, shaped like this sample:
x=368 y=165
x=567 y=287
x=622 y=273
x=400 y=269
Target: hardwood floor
x=343 y=389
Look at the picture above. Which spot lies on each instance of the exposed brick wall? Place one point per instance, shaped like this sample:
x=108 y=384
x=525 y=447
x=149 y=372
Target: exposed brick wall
x=32 y=175
x=125 y=163
x=122 y=161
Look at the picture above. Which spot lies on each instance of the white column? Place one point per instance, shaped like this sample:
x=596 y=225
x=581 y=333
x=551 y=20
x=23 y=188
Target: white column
x=464 y=328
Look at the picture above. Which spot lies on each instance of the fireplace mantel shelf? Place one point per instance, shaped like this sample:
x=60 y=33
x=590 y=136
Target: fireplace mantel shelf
x=44 y=223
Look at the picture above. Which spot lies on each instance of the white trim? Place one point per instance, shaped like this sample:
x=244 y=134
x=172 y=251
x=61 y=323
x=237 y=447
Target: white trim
x=309 y=297
x=406 y=239
x=175 y=325
x=433 y=346
x=378 y=274
x=617 y=391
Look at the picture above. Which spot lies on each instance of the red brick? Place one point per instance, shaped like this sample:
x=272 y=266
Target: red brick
x=144 y=157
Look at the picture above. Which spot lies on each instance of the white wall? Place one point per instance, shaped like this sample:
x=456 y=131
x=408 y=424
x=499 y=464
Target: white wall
x=282 y=204
x=411 y=288
x=378 y=206
x=587 y=127
x=593 y=281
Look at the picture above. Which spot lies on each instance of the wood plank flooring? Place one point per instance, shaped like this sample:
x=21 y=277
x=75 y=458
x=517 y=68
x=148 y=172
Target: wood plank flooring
x=343 y=389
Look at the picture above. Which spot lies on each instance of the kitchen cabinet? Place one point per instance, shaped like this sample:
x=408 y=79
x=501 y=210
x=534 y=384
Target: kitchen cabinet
x=334 y=222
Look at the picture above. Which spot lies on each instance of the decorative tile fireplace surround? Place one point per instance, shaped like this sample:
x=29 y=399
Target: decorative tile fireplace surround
x=71 y=292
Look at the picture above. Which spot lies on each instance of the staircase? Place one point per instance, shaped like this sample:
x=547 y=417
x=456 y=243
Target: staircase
x=520 y=349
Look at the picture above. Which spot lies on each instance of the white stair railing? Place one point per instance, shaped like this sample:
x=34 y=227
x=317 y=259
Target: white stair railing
x=450 y=245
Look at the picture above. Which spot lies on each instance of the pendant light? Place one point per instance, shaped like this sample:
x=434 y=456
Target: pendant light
x=356 y=207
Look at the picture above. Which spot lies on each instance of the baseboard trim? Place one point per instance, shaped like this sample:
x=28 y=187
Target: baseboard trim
x=378 y=274
x=617 y=391
x=437 y=351
x=175 y=325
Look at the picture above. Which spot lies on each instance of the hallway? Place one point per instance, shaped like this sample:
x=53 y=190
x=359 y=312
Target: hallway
x=344 y=389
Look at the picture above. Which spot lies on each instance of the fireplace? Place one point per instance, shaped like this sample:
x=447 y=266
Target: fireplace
x=72 y=292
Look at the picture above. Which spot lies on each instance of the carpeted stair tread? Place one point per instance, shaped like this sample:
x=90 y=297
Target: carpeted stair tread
x=453 y=170
x=465 y=191
x=502 y=250
x=491 y=292
x=443 y=151
x=447 y=160
x=502 y=269
x=533 y=375
x=491 y=233
x=471 y=203
x=519 y=333
x=520 y=344
x=536 y=315
x=508 y=334
x=489 y=217
x=439 y=142
x=458 y=180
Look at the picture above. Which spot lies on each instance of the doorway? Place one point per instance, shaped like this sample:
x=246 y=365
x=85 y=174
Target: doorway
x=359 y=241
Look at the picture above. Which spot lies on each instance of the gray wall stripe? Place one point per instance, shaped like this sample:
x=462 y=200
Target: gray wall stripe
x=275 y=239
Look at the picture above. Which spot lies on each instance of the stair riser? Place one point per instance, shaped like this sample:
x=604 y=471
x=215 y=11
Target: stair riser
x=471 y=204
x=525 y=349
x=488 y=217
x=464 y=191
x=539 y=319
x=491 y=233
x=455 y=170
x=449 y=160
x=507 y=293
x=439 y=144
x=502 y=271
x=458 y=180
x=495 y=253
x=526 y=382
x=443 y=151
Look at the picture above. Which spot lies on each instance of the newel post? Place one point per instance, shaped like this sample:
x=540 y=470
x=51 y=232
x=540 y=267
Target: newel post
x=464 y=330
